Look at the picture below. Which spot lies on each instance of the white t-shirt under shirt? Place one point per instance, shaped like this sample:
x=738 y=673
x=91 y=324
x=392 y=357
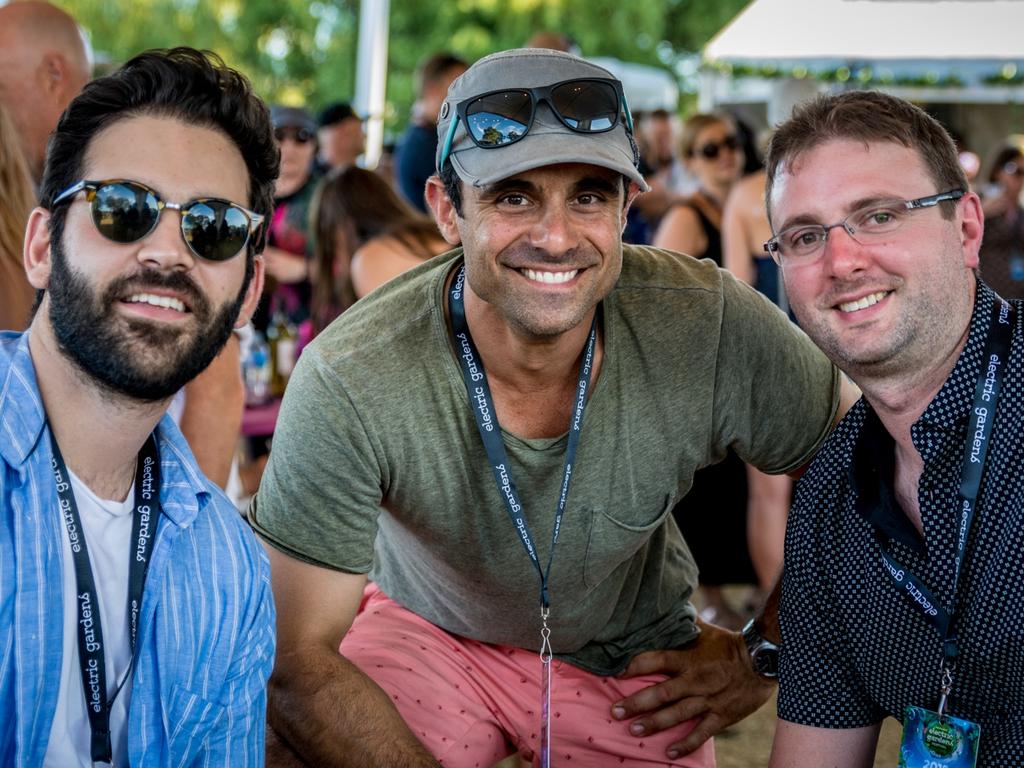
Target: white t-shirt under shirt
x=108 y=529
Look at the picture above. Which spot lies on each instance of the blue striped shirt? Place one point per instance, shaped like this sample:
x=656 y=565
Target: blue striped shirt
x=205 y=643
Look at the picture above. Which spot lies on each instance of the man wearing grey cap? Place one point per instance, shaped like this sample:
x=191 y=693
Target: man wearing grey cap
x=498 y=438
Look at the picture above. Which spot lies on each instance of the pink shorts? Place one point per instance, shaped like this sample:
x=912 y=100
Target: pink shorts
x=473 y=704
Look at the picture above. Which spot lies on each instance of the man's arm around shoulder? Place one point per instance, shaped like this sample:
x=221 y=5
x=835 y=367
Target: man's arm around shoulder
x=321 y=705
x=804 y=746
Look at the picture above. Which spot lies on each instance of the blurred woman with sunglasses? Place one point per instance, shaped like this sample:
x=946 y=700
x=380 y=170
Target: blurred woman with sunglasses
x=364 y=234
x=288 y=254
x=1002 y=249
x=711 y=151
x=728 y=502
x=16 y=201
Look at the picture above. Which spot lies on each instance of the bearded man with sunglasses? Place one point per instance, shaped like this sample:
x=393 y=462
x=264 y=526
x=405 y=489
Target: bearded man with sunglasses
x=902 y=591
x=136 y=619
x=498 y=437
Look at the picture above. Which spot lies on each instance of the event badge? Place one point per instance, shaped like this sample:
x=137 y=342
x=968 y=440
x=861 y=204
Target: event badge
x=931 y=740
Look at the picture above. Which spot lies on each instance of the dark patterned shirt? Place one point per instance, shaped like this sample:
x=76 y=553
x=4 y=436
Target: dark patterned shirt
x=854 y=650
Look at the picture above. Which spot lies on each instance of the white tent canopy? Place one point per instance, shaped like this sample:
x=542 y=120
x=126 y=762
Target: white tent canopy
x=646 y=88
x=962 y=52
x=950 y=32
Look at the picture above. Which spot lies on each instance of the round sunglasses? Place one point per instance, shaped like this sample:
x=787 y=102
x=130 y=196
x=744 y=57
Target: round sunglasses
x=126 y=211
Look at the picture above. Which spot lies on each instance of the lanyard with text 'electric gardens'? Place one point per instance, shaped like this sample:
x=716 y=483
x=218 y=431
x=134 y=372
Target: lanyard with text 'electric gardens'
x=490 y=432
x=90 y=633
x=929 y=735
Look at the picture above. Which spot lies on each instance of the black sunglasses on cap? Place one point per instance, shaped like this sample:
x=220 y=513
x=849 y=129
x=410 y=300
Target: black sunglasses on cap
x=500 y=118
x=712 y=149
x=126 y=211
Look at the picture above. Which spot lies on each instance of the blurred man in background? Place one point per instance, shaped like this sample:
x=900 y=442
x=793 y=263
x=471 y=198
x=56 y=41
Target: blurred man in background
x=414 y=156
x=45 y=61
x=340 y=135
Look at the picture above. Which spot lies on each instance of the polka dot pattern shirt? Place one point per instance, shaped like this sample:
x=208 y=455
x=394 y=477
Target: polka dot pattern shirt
x=854 y=650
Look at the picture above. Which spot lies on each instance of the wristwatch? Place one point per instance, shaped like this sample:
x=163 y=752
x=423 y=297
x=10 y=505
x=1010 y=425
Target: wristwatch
x=763 y=654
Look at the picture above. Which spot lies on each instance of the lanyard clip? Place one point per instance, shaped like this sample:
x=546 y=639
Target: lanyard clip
x=545 y=635
x=947 y=688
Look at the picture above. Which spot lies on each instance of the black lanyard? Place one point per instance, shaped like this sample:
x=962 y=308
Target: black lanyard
x=979 y=431
x=90 y=632
x=490 y=431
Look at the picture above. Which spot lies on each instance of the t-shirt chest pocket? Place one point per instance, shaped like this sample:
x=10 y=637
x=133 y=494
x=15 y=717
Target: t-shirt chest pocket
x=617 y=534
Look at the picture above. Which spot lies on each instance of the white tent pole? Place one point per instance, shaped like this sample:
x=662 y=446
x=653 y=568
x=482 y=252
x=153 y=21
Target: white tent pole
x=371 y=74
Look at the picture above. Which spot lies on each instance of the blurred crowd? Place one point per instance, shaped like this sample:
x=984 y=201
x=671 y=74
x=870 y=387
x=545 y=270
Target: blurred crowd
x=340 y=230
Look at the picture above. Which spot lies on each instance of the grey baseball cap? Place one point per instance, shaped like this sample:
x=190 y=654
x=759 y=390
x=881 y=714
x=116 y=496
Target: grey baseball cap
x=548 y=141
x=292 y=117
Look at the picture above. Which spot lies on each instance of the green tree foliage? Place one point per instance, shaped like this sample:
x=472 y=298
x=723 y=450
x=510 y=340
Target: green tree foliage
x=304 y=52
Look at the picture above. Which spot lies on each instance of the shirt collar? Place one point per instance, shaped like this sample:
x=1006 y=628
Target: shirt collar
x=23 y=419
x=949 y=409
x=185 y=489
x=870 y=472
x=871 y=475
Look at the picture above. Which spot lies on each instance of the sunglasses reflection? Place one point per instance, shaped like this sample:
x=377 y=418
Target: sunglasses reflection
x=126 y=211
x=504 y=117
x=494 y=130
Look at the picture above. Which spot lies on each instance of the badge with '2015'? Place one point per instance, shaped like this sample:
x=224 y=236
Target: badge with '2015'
x=934 y=741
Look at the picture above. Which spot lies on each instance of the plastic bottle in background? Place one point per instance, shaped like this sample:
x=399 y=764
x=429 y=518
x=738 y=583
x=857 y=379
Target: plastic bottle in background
x=1017 y=266
x=256 y=369
x=282 y=338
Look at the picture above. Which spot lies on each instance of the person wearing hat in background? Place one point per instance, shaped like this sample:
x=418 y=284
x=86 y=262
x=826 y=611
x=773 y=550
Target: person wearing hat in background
x=417 y=146
x=288 y=248
x=341 y=136
x=518 y=533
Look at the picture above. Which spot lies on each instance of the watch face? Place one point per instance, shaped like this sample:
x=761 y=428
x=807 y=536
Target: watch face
x=766 y=660
x=764 y=655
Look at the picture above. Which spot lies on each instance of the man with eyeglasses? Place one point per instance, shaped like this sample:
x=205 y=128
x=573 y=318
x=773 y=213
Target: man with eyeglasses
x=136 y=618
x=902 y=592
x=498 y=438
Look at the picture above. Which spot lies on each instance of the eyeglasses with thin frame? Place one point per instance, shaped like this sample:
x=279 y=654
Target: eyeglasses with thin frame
x=802 y=243
x=126 y=211
x=500 y=118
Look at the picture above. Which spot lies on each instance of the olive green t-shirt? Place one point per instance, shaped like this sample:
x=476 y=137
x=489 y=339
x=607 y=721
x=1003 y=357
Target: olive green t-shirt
x=377 y=465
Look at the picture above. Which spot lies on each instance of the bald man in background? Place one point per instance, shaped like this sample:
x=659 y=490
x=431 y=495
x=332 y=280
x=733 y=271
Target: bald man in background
x=45 y=60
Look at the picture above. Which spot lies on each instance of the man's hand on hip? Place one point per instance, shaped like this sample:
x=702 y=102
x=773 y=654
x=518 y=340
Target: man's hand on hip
x=712 y=679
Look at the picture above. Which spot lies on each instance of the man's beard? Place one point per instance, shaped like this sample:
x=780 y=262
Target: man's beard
x=141 y=359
